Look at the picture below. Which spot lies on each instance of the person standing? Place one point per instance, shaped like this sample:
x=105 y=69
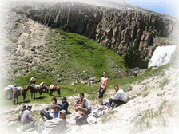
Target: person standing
x=102 y=87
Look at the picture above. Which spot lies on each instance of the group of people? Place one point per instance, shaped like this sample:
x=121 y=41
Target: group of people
x=60 y=110
x=119 y=98
x=54 y=111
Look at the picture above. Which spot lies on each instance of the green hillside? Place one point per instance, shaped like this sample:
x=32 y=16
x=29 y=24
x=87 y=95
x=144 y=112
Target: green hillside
x=72 y=57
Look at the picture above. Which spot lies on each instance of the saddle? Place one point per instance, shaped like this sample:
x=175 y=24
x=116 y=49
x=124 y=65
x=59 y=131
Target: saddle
x=51 y=86
x=36 y=87
x=19 y=89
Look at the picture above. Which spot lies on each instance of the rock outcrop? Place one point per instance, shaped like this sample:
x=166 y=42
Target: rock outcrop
x=121 y=30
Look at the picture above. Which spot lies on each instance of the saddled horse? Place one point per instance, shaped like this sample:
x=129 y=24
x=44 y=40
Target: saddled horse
x=9 y=91
x=14 y=92
x=36 y=88
x=55 y=88
x=17 y=92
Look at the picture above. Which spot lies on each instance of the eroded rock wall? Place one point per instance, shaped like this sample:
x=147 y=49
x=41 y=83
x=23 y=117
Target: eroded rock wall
x=121 y=30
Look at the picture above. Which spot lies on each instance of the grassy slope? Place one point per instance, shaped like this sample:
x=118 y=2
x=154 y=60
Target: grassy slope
x=68 y=90
x=71 y=55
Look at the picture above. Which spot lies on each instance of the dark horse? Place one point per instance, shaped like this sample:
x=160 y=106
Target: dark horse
x=36 y=88
x=17 y=92
x=55 y=88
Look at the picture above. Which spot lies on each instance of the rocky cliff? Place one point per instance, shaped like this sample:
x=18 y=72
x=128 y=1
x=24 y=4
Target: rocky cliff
x=124 y=31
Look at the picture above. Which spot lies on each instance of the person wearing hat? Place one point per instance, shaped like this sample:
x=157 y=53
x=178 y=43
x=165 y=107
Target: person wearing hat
x=22 y=108
x=64 y=105
x=63 y=115
x=55 y=112
x=47 y=112
x=27 y=116
x=52 y=111
x=30 y=121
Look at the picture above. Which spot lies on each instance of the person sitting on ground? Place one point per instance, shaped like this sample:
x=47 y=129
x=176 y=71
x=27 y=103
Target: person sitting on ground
x=64 y=105
x=30 y=121
x=119 y=98
x=27 y=116
x=49 y=110
x=56 y=125
x=102 y=87
x=22 y=108
x=32 y=80
x=82 y=105
x=63 y=115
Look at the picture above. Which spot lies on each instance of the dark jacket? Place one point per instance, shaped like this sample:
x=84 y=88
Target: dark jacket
x=64 y=105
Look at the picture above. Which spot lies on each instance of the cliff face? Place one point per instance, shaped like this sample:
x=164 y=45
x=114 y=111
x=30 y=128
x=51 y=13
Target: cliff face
x=124 y=31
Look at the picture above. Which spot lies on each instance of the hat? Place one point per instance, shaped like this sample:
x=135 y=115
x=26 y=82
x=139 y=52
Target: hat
x=63 y=111
x=55 y=105
x=64 y=98
x=29 y=105
x=23 y=107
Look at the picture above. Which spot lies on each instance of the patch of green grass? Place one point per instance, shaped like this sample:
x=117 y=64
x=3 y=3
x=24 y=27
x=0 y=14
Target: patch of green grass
x=85 y=54
x=145 y=94
x=164 y=82
x=28 y=59
x=107 y=118
x=148 y=73
x=161 y=94
x=162 y=106
x=13 y=40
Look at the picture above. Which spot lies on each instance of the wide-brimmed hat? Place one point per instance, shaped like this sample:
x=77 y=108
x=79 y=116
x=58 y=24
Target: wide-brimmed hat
x=29 y=105
x=63 y=111
x=55 y=106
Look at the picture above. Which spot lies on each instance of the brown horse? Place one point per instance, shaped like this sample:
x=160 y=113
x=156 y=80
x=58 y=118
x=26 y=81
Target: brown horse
x=55 y=88
x=17 y=92
x=36 y=88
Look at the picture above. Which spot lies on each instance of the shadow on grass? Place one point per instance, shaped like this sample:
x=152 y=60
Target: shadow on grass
x=40 y=97
x=23 y=102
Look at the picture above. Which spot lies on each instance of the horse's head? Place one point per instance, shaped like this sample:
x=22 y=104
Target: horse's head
x=43 y=85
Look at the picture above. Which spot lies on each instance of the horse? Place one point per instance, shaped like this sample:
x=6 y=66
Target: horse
x=9 y=91
x=55 y=88
x=17 y=92
x=36 y=88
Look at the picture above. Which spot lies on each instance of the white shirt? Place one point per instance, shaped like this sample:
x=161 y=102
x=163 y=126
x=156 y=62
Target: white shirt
x=87 y=103
x=120 y=91
x=120 y=95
